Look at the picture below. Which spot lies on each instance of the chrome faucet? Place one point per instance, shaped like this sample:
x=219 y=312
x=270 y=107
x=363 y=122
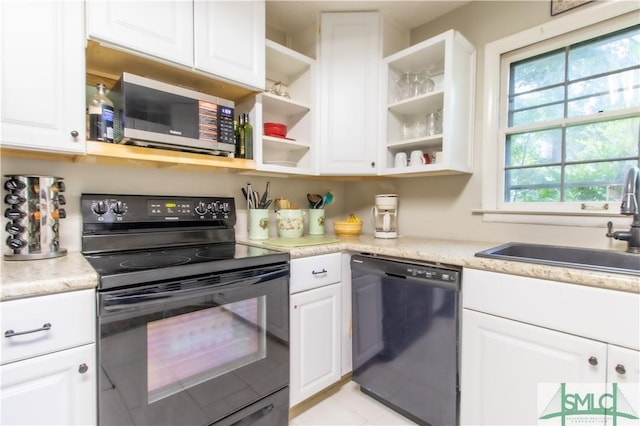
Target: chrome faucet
x=629 y=207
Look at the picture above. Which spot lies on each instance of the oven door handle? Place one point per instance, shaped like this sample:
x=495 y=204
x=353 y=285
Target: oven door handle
x=132 y=301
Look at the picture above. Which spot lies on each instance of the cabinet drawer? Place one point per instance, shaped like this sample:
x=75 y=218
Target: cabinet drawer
x=71 y=317
x=315 y=271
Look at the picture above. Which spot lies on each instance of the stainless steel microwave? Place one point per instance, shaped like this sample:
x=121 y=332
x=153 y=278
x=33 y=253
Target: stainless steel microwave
x=157 y=114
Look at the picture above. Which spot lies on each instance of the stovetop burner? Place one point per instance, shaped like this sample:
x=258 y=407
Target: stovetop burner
x=211 y=254
x=146 y=261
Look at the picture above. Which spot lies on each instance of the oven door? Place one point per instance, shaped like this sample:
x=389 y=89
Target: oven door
x=197 y=350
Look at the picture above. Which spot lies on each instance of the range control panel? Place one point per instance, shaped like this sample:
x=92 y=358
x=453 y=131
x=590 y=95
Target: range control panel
x=130 y=209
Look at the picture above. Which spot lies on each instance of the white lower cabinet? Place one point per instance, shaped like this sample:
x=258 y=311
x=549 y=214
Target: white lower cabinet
x=315 y=341
x=524 y=338
x=507 y=360
x=53 y=389
x=49 y=369
x=315 y=331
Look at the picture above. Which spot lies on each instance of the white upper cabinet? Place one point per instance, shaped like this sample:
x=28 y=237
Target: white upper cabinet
x=163 y=29
x=349 y=61
x=229 y=40
x=429 y=106
x=222 y=38
x=42 y=86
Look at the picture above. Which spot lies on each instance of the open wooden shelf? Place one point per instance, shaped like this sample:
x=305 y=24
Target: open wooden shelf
x=162 y=157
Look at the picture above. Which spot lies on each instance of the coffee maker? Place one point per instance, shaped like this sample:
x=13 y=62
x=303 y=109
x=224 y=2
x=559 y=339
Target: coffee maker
x=385 y=216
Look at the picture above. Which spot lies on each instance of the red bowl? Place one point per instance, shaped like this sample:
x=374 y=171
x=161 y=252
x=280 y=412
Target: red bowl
x=275 y=129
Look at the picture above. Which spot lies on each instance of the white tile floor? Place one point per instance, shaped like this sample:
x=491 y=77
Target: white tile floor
x=349 y=406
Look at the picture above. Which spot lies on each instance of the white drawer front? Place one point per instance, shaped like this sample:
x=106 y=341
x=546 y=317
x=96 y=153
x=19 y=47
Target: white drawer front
x=315 y=271
x=71 y=316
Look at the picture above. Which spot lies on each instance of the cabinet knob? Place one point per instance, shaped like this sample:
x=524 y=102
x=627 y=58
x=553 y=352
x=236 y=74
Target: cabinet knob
x=593 y=360
x=83 y=368
x=620 y=369
x=373 y=164
x=74 y=134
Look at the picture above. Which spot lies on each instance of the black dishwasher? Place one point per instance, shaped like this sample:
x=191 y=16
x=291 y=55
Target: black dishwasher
x=405 y=336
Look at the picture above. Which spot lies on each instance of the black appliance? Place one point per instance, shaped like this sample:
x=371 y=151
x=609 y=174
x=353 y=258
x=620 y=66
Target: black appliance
x=153 y=113
x=193 y=328
x=405 y=336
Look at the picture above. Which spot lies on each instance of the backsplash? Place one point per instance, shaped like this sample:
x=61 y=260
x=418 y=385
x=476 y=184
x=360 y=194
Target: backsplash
x=91 y=178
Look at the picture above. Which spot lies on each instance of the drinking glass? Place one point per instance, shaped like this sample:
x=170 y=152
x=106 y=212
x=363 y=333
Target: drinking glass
x=416 y=83
x=432 y=123
x=403 y=85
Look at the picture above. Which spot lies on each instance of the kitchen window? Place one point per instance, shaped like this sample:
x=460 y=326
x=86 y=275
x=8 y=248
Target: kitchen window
x=566 y=125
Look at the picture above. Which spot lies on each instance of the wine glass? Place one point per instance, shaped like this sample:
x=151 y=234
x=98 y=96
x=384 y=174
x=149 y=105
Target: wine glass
x=428 y=85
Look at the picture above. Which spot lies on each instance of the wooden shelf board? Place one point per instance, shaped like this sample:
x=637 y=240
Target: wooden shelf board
x=164 y=157
x=38 y=155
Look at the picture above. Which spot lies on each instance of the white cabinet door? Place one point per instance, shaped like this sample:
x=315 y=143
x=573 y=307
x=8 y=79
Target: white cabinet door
x=43 y=73
x=230 y=40
x=315 y=341
x=623 y=370
x=504 y=361
x=623 y=365
x=350 y=55
x=59 y=388
x=163 y=29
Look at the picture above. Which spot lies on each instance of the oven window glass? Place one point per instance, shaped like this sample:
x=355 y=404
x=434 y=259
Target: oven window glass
x=186 y=350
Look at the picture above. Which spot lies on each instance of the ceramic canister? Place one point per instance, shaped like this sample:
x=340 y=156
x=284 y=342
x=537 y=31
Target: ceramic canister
x=258 y=224
x=290 y=223
x=316 y=221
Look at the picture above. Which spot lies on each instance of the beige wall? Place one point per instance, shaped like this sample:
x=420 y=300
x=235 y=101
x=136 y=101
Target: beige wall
x=440 y=207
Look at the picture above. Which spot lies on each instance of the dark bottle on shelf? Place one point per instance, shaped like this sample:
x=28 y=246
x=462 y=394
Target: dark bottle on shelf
x=240 y=146
x=248 y=137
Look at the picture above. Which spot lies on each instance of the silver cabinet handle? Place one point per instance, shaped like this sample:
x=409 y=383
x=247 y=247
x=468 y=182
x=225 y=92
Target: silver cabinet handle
x=11 y=333
x=620 y=369
x=83 y=368
x=593 y=360
x=324 y=271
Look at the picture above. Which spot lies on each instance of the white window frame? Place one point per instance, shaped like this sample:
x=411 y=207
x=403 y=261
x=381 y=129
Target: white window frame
x=493 y=207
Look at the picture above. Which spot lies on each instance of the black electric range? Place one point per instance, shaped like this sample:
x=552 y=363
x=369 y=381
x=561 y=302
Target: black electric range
x=183 y=309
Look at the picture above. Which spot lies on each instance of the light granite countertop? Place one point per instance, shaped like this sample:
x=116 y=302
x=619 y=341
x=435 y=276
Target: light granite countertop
x=26 y=278
x=462 y=253
x=72 y=272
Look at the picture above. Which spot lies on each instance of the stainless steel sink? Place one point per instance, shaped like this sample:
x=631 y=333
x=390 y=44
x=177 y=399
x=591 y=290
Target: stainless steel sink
x=568 y=257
